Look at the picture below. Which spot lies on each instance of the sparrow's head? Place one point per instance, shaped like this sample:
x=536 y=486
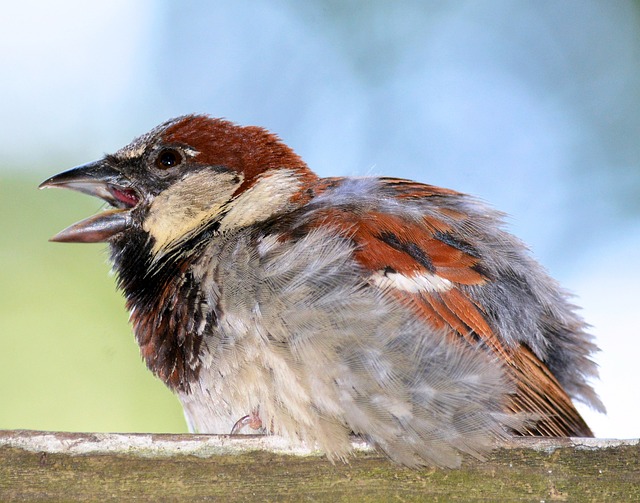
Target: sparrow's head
x=188 y=174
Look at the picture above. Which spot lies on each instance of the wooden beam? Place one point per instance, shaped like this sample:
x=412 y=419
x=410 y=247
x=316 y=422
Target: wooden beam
x=98 y=466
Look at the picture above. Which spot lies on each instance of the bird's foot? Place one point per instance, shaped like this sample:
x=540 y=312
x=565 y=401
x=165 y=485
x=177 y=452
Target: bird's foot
x=252 y=420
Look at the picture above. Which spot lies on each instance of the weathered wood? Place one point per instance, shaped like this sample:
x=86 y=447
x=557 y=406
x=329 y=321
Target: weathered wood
x=77 y=466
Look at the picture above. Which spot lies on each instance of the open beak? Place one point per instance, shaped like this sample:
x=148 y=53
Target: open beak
x=101 y=180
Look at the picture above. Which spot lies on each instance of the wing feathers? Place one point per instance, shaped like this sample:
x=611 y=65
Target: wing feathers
x=417 y=254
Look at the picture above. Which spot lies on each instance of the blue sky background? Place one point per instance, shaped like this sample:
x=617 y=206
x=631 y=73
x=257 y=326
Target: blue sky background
x=532 y=106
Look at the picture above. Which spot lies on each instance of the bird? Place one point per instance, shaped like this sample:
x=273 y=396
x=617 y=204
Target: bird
x=319 y=309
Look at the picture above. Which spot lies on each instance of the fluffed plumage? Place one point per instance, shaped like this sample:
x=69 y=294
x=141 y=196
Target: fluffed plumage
x=390 y=309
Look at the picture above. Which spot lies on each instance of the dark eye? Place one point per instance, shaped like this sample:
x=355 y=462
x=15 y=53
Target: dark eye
x=168 y=158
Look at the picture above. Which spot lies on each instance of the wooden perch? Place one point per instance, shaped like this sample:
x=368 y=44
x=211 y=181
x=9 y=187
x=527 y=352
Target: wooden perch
x=97 y=466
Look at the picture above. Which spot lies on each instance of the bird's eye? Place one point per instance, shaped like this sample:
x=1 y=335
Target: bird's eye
x=168 y=158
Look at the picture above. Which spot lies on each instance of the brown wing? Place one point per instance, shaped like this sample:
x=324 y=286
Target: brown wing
x=423 y=265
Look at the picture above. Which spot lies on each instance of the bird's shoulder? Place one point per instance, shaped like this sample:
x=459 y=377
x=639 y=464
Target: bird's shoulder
x=420 y=243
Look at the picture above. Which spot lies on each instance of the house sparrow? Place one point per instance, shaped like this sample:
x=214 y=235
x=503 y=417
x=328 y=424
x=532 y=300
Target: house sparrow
x=324 y=307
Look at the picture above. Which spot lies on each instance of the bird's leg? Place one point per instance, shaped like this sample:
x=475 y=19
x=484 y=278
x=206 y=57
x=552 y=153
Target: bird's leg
x=252 y=420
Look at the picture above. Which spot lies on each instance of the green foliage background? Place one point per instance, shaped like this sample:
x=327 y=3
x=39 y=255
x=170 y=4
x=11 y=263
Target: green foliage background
x=68 y=359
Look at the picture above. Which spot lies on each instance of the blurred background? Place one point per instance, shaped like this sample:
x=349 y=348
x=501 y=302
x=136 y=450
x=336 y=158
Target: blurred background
x=532 y=106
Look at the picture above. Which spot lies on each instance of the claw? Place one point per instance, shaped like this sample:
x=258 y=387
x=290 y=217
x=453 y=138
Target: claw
x=252 y=420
